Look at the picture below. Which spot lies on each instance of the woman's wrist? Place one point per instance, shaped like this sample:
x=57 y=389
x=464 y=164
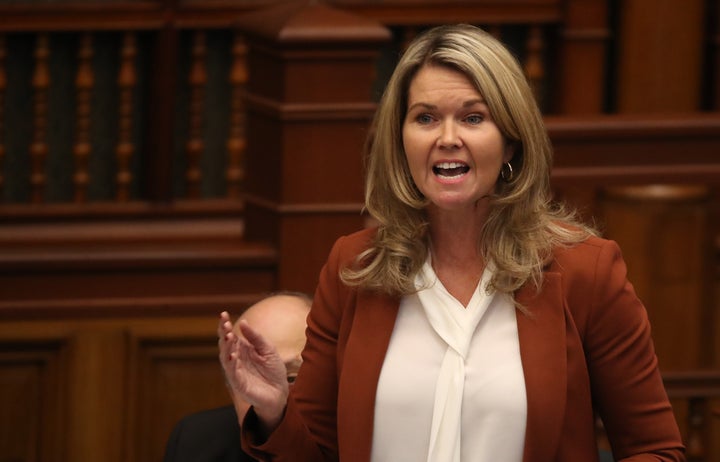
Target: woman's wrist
x=269 y=420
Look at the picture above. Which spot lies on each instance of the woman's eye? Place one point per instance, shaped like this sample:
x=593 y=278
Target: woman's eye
x=474 y=119
x=424 y=118
x=291 y=378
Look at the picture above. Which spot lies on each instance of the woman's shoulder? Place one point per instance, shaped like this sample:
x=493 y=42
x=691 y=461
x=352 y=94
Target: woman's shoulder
x=349 y=246
x=590 y=267
x=585 y=254
x=593 y=273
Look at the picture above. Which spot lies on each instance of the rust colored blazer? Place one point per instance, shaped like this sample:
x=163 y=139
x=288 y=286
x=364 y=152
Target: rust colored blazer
x=585 y=347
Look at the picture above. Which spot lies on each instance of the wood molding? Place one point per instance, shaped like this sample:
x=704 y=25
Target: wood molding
x=420 y=13
x=636 y=149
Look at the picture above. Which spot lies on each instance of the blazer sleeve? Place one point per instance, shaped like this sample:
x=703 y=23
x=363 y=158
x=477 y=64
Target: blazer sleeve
x=308 y=431
x=627 y=387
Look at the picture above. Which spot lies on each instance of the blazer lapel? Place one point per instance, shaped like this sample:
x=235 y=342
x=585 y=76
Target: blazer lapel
x=373 y=323
x=543 y=353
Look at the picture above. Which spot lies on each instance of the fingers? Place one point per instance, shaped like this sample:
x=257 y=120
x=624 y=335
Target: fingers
x=234 y=351
x=254 y=372
x=257 y=341
x=226 y=345
x=222 y=328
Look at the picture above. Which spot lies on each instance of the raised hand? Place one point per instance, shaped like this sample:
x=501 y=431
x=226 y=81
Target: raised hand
x=254 y=371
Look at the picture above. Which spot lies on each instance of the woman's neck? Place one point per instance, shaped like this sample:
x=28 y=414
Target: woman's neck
x=455 y=235
x=455 y=253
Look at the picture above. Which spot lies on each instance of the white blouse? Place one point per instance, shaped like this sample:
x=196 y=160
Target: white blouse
x=493 y=406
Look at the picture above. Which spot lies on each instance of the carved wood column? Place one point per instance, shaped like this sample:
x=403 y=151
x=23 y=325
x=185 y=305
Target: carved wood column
x=96 y=387
x=660 y=55
x=715 y=55
x=125 y=149
x=236 y=144
x=584 y=45
x=82 y=149
x=3 y=89
x=39 y=147
x=311 y=70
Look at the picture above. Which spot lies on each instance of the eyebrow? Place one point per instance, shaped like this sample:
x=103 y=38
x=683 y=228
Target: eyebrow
x=467 y=103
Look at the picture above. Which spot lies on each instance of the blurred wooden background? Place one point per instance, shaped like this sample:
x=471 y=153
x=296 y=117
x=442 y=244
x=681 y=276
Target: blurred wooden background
x=161 y=161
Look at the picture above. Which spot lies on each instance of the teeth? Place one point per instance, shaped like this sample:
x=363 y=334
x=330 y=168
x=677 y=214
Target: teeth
x=450 y=169
x=448 y=165
x=450 y=177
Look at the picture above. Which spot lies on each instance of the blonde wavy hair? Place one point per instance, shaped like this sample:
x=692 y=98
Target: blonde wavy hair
x=523 y=226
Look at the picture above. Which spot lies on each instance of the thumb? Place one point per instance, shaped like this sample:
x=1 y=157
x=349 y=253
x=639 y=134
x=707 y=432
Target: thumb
x=258 y=342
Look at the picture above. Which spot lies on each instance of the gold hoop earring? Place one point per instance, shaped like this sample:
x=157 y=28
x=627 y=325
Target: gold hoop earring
x=506 y=172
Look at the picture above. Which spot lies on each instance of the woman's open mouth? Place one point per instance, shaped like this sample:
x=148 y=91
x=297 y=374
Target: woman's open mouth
x=450 y=170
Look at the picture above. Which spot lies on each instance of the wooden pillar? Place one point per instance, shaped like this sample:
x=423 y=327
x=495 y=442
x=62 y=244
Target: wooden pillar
x=660 y=55
x=584 y=45
x=663 y=233
x=667 y=227
x=96 y=388
x=715 y=55
x=311 y=72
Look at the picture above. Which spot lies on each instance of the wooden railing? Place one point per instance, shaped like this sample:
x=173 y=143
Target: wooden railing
x=68 y=127
x=100 y=123
x=143 y=101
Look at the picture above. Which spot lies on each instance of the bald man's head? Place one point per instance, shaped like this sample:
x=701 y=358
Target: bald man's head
x=281 y=319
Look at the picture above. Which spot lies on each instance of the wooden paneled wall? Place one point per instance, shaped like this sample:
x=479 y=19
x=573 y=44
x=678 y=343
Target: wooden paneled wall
x=103 y=389
x=236 y=135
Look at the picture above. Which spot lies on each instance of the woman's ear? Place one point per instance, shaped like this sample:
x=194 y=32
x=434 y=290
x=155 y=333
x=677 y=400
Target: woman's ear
x=509 y=151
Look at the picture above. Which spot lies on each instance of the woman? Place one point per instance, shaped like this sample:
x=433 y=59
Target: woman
x=477 y=321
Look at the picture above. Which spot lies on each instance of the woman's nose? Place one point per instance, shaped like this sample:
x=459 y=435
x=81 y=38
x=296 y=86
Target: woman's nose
x=448 y=137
